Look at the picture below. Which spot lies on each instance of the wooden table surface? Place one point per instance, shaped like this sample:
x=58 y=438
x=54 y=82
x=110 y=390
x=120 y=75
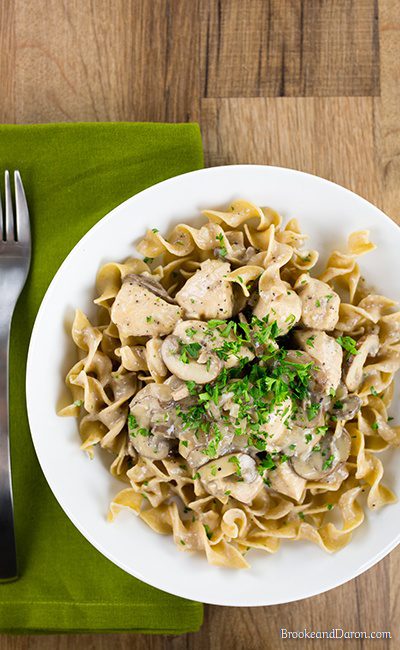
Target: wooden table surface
x=310 y=84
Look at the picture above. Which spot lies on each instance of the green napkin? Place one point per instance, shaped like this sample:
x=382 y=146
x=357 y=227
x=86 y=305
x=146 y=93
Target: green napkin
x=73 y=175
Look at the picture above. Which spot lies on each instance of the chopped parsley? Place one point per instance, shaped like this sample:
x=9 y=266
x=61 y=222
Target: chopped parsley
x=312 y=410
x=189 y=350
x=290 y=319
x=191 y=386
x=310 y=341
x=267 y=463
x=191 y=331
x=318 y=303
x=132 y=423
x=375 y=426
x=329 y=506
x=148 y=260
x=149 y=319
x=270 y=383
x=373 y=392
x=78 y=402
x=308 y=437
x=348 y=344
x=236 y=462
x=328 y=463
x=212 y=448
x=134 y=429
x=222 y=249
x=208 y=531
x=155 y=230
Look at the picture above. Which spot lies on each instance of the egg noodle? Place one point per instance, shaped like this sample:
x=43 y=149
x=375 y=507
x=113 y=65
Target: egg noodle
x=244 y=401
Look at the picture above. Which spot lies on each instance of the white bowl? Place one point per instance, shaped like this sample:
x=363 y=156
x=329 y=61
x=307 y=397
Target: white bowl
x=326 y=211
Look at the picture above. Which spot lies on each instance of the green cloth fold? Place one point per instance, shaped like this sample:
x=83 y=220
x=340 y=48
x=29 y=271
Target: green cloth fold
x=73 y=175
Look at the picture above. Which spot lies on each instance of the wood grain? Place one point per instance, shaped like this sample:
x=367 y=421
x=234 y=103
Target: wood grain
x=309 y=84
x=388 y=142
x=7 y=61
x=105 y=60
x=260 y=48
x=306 y=133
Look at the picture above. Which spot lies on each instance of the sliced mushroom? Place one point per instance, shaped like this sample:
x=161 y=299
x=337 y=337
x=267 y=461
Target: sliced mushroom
x=285 y=481
x=367 y=347
x=318 y=464
x=328 y=354
x=280 y=304
x=207 y=294
x=179 y=389
x=139 y=311
x=150 y=410
x=347 y=408
x=320 y=304
x=196 y=444
x=202 y=371
x=204 y=365
x=211 y=339
x=154 y=447
x=234 y=475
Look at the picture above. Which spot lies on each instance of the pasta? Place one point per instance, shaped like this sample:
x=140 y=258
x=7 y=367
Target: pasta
x=244 y=400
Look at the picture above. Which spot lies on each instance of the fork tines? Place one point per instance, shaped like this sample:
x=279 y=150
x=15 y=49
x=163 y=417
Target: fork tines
x=14 y=227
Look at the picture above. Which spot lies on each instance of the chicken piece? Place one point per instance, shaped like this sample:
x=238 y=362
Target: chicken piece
x=320 y=304
x=284 y=480
x=280 y=305
x=207 y=294
x=276 y=427
x=141 y=308
x=328 y=354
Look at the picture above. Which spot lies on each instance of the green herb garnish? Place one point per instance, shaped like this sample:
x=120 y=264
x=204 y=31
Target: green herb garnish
x=348 y=344
x=328 y=463
x=235 y=460
x=208 y=531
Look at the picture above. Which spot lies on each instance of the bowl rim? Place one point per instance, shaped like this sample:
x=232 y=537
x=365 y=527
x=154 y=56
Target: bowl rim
x=29 y=378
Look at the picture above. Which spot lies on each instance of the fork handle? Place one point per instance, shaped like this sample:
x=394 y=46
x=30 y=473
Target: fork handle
x=8 y=554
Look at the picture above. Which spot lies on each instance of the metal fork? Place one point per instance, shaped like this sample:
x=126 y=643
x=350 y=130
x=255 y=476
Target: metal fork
x=15 y=255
